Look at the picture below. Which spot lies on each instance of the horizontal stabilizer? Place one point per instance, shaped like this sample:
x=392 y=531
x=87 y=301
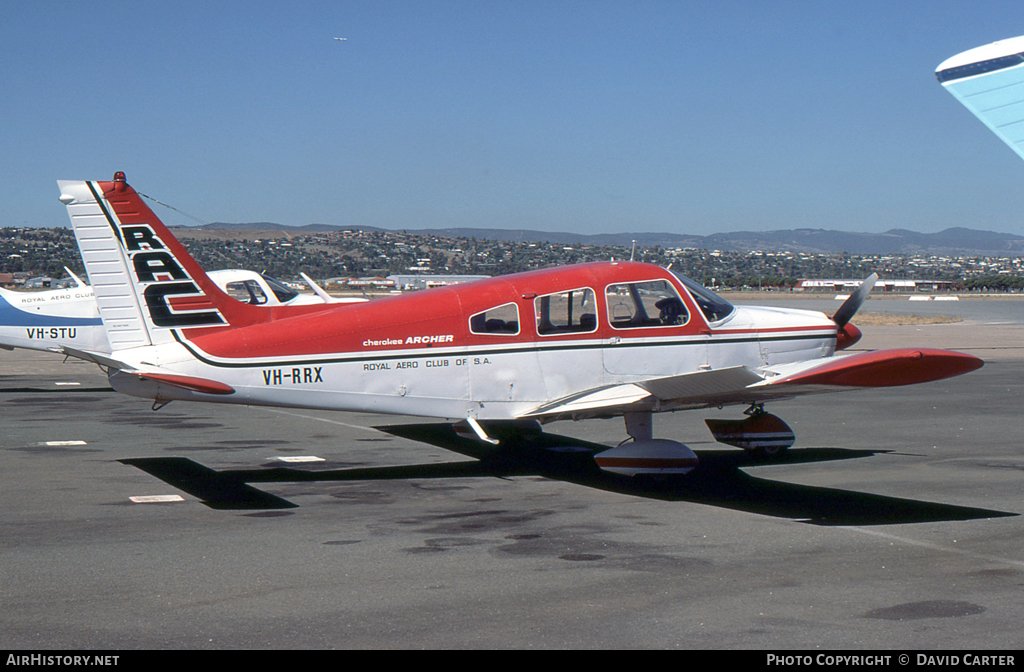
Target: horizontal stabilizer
x=96 y=358
x=188 y=382
x=174 y=380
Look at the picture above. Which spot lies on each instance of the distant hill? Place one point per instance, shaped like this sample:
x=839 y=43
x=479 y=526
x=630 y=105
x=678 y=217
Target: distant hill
x=954 y=241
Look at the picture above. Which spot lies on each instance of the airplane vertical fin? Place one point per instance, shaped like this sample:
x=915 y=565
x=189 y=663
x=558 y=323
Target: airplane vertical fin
x=106 y=266
x=148 y=289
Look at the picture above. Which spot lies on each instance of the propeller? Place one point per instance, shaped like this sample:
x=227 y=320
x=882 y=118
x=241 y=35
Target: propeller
x=847 y=334
x=852 y=304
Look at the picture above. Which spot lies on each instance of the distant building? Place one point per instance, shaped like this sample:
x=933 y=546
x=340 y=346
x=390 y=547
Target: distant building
x=846 y=286
x=43 y=282
x=361 y=283
x=420 y=281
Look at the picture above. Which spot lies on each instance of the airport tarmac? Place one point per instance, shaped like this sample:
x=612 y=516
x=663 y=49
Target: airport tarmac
x=893 y=523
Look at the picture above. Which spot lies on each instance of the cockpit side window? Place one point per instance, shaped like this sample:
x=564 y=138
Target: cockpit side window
x=501 y=320
x=246 y=291
x=714 y=307
x=654 y=303
x=283 y=292
x=569 y=312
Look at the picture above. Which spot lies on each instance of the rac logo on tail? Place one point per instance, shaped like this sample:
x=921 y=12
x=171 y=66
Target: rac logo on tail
x=154 y=266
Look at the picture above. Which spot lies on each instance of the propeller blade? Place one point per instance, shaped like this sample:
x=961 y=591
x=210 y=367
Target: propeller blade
x=852 y=304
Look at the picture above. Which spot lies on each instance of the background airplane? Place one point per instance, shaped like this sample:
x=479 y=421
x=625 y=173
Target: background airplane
x=989 y=81
x=52 y=319
x=497 y=355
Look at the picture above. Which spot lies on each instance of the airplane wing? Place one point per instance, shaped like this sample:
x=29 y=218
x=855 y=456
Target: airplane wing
x=317 y=289
x=743 y=385
x=78 y=280
x=987 y=81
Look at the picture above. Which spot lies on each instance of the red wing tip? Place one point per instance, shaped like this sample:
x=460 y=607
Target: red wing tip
x=962 y=359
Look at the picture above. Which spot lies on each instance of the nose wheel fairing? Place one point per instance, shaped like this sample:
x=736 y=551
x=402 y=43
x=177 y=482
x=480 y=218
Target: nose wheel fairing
x=760 y=432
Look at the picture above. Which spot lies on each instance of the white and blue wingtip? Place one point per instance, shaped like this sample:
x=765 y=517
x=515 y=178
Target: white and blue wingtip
x=989 y=82
x=982 y=60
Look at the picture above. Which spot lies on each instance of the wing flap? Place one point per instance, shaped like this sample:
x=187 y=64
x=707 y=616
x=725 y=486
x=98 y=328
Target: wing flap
x=701 y=384
x=598 y=399
x=699 y=388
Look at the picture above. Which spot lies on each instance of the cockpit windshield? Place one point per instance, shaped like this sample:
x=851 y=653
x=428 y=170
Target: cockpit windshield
x=283 y=293
x=714 y=307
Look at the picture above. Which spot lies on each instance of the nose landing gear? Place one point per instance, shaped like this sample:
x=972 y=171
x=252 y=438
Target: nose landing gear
x=761 y=433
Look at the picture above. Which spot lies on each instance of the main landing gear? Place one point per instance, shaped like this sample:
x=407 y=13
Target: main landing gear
x=644 y=454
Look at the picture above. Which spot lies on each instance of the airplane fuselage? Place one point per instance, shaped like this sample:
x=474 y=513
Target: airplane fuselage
x=48 y=319
x=490 y=349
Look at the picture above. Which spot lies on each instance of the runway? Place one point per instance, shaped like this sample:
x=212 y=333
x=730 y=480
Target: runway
x=893 y=523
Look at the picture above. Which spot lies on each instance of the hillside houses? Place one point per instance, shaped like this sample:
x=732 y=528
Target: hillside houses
x=368 y=256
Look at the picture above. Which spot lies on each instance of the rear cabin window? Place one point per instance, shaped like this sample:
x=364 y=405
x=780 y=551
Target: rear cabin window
x=566 y=312
x=654 y=303
x=502 y=320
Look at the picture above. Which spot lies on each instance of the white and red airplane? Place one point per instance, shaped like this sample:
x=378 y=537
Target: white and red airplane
x=591 y=340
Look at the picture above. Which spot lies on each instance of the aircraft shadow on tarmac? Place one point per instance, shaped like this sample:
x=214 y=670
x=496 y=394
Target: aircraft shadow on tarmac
x=719 y=480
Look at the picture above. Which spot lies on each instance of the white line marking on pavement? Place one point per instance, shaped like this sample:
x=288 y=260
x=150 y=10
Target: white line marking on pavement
x=333 y=422
x=937 y=547
x=156 y=499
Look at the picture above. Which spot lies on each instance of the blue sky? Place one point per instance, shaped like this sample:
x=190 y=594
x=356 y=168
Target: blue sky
x=594 y=117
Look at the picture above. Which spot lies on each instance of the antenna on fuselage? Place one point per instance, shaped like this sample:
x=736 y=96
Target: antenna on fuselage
x=632 y=250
